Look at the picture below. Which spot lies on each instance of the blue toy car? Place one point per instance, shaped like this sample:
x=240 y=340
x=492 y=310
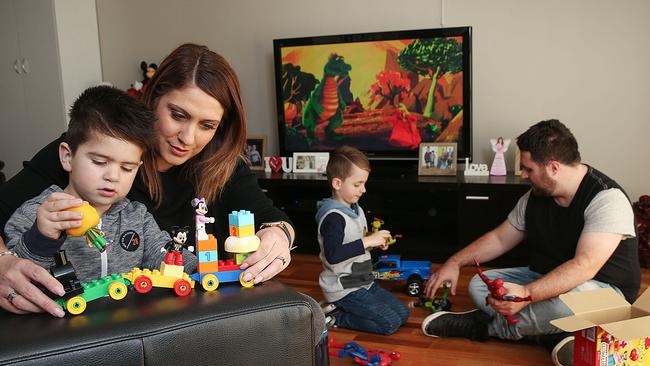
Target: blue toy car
x=392 y=267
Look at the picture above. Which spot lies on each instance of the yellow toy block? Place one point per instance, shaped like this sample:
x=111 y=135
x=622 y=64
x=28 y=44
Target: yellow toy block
x=169 y=281
x=209 y=244
x=207 y=267
x=171 y=270
x=135 y=272
x=157 y=279
x=242 y=231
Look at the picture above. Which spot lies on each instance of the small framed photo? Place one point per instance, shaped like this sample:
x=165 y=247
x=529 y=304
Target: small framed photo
x=437 y=158
x=310 y=162
x=255 y=151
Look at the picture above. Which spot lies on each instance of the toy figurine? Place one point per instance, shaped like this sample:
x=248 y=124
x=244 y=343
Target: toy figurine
x=175 y=247
x=498 y=291
x=201 y=209
x=438 y=303
x=376 y=226
x=499 y=146
x=89 y=221
x=360 y=355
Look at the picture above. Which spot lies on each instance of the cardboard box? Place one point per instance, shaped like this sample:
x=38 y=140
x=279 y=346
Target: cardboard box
x=608 y=330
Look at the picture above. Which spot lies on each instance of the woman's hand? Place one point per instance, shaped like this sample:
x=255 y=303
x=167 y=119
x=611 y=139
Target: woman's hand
x=18 y=293
x=271 y=258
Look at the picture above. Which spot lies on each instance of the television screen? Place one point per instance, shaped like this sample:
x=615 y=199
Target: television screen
x=383 y=93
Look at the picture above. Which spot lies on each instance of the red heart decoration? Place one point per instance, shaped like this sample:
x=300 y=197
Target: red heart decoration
x=275 y=162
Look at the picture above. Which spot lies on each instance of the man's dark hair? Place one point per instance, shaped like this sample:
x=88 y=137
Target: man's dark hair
x=550 y=140
x=112 y=112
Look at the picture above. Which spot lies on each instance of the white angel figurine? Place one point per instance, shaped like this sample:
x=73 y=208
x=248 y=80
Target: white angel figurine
x=499 y=146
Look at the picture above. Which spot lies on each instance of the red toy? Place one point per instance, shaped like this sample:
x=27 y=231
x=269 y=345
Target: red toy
x=499 y=292
x=360 y=355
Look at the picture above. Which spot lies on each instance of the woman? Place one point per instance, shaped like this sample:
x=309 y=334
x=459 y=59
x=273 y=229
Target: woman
x=201 y=131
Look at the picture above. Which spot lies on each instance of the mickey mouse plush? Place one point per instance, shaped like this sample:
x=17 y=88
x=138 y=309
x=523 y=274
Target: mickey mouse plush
x=138 y=87
x=147 y=72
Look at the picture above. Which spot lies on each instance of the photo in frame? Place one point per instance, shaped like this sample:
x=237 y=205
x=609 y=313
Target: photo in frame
x=255 y=150
x=310 y=162
x=437 y=158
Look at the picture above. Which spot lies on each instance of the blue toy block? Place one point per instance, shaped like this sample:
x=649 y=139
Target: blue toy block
x=229 y=276
x=223 y=277
x=241 y=218
x=208 y=256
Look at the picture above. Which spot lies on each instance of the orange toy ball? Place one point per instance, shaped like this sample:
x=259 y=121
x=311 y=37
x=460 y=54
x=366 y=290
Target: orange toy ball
x=89 y=220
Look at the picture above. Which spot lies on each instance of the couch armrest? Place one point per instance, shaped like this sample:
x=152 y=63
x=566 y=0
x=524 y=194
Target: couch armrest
x=264 y=325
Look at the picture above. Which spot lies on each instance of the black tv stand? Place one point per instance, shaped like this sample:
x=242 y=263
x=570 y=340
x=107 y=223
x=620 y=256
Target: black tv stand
x=437 y=215
x=402 y=169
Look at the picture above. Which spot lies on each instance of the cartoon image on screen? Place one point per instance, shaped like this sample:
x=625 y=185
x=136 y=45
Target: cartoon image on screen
x=379 y=95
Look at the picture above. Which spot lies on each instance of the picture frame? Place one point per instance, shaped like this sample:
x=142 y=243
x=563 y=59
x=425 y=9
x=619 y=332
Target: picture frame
x=434 y=158
x=255 y=151
x=310 y=162
x=517 y=161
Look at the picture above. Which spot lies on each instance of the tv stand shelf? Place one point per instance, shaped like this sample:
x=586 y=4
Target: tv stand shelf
x=436 y=215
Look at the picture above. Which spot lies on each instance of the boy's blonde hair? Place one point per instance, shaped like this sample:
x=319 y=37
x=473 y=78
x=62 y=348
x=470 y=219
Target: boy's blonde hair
x=341 y=160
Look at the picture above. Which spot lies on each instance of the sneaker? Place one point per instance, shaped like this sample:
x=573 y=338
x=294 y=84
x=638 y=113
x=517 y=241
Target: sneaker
x=562 y=354
x=327 y=307
x=470 y=324
x=330 y=321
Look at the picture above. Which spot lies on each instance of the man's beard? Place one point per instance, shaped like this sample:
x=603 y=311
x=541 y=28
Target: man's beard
x=546 y=187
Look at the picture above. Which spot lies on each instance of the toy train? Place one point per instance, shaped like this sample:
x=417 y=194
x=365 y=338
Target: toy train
x=210 y=270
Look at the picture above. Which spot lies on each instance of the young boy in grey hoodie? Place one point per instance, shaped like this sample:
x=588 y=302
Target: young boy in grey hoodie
x=108 y=133
x=347 y=280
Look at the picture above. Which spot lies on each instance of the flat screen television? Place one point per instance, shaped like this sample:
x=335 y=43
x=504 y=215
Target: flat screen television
x=382 y=92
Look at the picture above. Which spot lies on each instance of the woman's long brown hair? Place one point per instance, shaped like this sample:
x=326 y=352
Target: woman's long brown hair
x=209 y=170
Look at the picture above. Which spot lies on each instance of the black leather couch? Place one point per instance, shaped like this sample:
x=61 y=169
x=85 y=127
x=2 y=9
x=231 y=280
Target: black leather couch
x=269 y=324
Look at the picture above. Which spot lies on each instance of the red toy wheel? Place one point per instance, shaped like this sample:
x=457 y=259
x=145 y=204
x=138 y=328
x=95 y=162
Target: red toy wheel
x=182 y=287
x=142 y=284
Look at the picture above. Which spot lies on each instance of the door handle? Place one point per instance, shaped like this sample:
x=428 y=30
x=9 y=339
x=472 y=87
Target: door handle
x=25 y=66
x=477 y=198
x=16 y=67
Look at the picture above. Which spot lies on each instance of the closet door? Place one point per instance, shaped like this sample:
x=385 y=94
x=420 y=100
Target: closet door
x=12 y=93
x=36 y=49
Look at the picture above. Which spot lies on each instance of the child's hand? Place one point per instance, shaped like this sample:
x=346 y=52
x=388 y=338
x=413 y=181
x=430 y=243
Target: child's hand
x=52 y=218
x=377 y=239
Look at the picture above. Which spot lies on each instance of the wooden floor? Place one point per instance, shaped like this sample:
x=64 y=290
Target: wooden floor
x=414 y=346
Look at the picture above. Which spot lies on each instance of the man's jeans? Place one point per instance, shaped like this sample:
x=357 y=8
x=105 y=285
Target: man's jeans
x=535 y=318
x=374 y=310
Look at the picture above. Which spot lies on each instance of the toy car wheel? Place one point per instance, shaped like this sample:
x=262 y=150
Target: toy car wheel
x=210 y=282
x=142 y=284
x=182 y=287
x=75 y=305
x=244 y=283
x=414 y=286
x=117 y=290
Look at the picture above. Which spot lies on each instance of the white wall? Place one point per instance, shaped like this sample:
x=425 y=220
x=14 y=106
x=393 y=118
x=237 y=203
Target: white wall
x=586 y=62
x=78 y=37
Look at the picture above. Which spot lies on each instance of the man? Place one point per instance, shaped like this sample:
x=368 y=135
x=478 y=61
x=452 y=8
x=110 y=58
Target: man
x=580 y=227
